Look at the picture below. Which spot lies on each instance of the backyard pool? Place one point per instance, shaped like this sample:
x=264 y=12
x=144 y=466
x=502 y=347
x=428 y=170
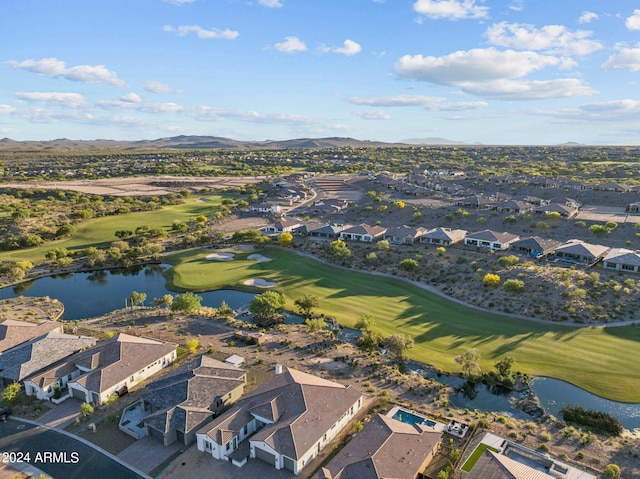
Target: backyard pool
x=412 y=418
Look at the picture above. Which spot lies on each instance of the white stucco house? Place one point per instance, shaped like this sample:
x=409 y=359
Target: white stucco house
x=285 y=422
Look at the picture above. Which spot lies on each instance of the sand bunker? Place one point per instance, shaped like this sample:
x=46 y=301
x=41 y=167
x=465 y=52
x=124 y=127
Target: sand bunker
x=220 y=257
x=259 y=258
x=259 y=282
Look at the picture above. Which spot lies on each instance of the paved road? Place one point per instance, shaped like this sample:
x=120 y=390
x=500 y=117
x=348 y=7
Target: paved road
x=57 y=454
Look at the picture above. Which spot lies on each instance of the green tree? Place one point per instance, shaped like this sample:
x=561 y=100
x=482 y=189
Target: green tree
x=306 y=303
x=285 y=239
x=315 y=324
x=225 y=311
x=186 y=303
x=469 y=362
x=137 y=298
x=398 y=344
x=491 y=279
x=513 y=285
x=192 y=345
x=339 y=249
x=365 y=322
x=86 y=409
x=369 y=341
x=382 y=245
x=409 y=264
x=612 y=471
x=11 y=393
x=267 y=304
x=504 y=366
x=599 y=230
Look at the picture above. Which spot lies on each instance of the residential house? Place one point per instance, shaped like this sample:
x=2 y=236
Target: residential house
x=384 y=448
x=330 y=206
x=285 y=226
x=503 y=459
x=14 y=332
x=404 y=234
x=476 y=202
x=577 y=251
x=443 y=236
x=564 y=210
x=265 y=208
x=285 y=422
x=534 y=246
x=28 y=358
x=611 y=186
x=363 y=232
x=490 y=239
x=563 y=200
x=186 y=399
x=622 y=259
x=513 y=206
x=331 y=231
x=107 y=368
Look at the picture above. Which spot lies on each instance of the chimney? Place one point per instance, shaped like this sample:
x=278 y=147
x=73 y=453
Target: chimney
x=278 y=368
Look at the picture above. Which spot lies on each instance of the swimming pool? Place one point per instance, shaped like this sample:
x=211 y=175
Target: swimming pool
x=408 y=417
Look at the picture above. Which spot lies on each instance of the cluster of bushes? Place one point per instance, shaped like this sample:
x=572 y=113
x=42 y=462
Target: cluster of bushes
x=596 y=420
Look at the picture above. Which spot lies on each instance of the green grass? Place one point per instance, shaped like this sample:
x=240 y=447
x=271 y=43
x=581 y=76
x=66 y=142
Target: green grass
x=100 y=232
x=477 y=453
x=600 y=360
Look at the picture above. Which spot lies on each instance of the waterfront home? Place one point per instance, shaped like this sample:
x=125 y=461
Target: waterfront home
x=384 y=448
x=14 y=332
x=285 y=422
x=110 y=367
x=180 y=403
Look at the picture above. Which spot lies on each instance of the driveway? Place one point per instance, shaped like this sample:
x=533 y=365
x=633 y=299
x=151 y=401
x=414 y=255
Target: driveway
x=61 y=415
x=148 y=453
x=60 y=454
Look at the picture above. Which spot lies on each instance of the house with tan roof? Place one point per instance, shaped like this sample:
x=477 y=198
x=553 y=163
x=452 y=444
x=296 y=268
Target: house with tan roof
x=404 y=234
x=578 y=251
x=622 y=259
x=14 y=332
x=443 y=236
x=384 y=448
x=110 y=366
x=363 y=232
x=285 y=422
x=181 y=402
x=490 y=239
x=37 y=354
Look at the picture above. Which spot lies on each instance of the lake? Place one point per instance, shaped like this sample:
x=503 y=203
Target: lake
x=86 y=295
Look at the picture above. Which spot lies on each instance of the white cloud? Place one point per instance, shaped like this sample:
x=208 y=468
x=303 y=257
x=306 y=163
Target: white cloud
x=179 y=2
x=7 y=109
x=83 y=73
x=626 y=59
x=69 y=100
x=529 y=90
x=451 y=9
x=431 y=103
x=271 y=3
x=556 y=39
x=131 y=98
x=633 y=22
x=477 y=65
x=157 y=87
x=516 y=5
x=349 y=48
x=373 y=115
x=201 y=33
x=291 y=45
x=588 y=17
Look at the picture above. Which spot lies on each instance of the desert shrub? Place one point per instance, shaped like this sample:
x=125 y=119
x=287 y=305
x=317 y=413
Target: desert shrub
x=491 y=279
x=513 y=285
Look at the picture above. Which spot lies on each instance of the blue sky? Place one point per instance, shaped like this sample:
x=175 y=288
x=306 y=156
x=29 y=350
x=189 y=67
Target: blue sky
x=493 y=71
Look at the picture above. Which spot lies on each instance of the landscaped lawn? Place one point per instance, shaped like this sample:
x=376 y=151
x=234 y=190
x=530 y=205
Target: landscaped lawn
x=100 y=232
x=600 y=360
x=479 y=451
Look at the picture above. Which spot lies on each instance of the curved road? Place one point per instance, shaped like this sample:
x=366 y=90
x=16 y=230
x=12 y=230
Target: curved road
x=58 y=454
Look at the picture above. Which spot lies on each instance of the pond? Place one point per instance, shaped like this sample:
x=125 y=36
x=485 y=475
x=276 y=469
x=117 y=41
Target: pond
x=96 y=293
x=86 y=295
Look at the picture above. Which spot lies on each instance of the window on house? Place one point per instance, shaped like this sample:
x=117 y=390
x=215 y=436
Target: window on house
x=628 y=267
x=228 y=445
